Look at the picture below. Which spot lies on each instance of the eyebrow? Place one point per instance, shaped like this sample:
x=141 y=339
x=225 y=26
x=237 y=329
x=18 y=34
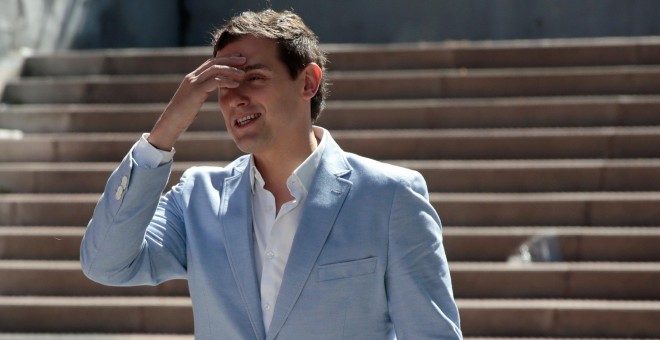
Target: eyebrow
x=255 y=67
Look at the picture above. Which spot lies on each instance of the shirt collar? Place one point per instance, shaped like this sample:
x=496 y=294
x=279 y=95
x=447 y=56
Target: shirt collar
x=305 y=171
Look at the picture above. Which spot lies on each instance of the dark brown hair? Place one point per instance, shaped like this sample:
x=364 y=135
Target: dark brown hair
x=298 y=46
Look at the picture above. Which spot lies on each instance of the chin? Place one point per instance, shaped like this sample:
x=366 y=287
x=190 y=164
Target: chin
x=245 y=146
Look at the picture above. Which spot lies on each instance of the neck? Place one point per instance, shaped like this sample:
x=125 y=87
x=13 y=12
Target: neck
x=276 y=166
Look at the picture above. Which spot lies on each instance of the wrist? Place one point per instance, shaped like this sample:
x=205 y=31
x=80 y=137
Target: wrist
x=161 y=141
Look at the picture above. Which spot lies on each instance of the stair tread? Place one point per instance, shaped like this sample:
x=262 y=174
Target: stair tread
x=380 y=47
x=92 y=336
x=566 y=304
x=96 y=301
x=558 y=267
x=177 y=301
x=546 y=196
x=415 y=164
x=81 y=108
x=69 y=265
x=8 y=230
x=513 y=197
x=560 y=71
x=53 y=231
x=587 y=132
x=559 y=231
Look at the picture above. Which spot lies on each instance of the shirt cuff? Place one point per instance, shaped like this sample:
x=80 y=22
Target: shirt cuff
x=148 y=156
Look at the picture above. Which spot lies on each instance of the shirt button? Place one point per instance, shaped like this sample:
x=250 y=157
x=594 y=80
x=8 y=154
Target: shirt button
x=269 y=208
x=267 y=306
x=124 y=182
x=270 y=254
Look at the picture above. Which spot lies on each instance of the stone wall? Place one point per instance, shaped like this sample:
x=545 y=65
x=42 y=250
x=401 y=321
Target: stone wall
x=53 y=24
x=39 y=24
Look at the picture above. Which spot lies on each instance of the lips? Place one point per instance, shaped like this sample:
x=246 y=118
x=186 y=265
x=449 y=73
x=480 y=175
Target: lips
x=247 y=119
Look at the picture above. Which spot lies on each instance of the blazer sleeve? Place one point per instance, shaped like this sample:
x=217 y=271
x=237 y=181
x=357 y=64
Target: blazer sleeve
x=135 y=236
x=420 y=297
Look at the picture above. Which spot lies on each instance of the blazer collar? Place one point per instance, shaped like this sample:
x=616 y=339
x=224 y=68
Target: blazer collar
x=326 y=195
x=235 y=216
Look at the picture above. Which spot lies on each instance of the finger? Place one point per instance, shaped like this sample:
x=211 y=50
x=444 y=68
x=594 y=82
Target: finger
x=225 y=82
x=223 y=72
x=228 y=61
x=217 y=82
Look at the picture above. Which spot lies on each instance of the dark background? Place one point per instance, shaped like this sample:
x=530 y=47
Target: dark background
x=169 y=23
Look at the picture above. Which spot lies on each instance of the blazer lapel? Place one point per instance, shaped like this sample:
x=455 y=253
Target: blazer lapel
x=323 y=203
x=236 y=220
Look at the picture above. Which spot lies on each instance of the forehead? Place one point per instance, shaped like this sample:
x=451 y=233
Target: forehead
x=251 y=47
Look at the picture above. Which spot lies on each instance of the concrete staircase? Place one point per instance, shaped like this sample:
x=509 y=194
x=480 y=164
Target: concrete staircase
x=542 y=158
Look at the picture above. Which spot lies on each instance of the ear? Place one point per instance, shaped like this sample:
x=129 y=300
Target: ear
x=313 y=75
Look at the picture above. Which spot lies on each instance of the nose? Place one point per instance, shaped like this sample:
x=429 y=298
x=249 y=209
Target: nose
x=234 y=97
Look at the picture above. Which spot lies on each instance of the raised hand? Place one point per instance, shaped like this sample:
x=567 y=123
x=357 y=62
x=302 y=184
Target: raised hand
x=215 y=73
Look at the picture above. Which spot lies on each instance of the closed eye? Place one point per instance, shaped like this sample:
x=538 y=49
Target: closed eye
x=254 y=77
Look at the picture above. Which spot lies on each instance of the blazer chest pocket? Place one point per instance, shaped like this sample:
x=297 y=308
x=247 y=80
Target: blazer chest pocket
x=343 y=270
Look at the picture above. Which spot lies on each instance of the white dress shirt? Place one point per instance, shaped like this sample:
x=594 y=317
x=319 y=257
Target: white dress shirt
x=148 y=156
x=273 y=233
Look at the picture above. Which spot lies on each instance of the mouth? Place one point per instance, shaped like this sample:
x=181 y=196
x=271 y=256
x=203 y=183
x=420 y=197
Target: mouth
x=247 y=119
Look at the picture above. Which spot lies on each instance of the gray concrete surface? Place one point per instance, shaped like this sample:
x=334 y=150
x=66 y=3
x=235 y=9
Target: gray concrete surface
x=49 y=24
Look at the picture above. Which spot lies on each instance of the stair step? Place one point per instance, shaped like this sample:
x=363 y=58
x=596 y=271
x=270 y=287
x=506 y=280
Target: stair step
x=504 y=53
x=559 y=318
x=96 y=314
x=519 y=176
x=466 y=83
x=544 y=338
x=65 y=278
x=362 y=85
x=504 y=209
x=492 y=317
x=491 y=244
x=574 y=243
x=613 y=281
x=532 y=143
x=441 y=176
x=475 y=54
x=607 y=281
x=548 y=209
x=68 y=177
x=506 y=112
x=92 y=336
x=40 y=243
x=575 y=111
x=37 y=209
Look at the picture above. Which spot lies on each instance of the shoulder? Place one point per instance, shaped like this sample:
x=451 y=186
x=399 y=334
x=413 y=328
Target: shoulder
x=215 y=174
x=377 y=169
x=376 y=173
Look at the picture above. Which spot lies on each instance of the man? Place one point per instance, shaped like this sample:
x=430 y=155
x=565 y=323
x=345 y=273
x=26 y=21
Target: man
x=297 y=239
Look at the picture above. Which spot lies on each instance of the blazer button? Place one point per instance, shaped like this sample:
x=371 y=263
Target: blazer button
x=120 y=191
x=124 y=182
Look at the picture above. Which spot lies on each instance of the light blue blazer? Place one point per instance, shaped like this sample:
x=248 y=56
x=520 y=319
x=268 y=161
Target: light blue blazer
x=367 y=261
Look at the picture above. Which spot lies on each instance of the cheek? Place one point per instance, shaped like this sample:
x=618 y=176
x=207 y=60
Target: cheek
x=222 y=102
x=221 y=97
x=224 y=111
x=225 y=117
